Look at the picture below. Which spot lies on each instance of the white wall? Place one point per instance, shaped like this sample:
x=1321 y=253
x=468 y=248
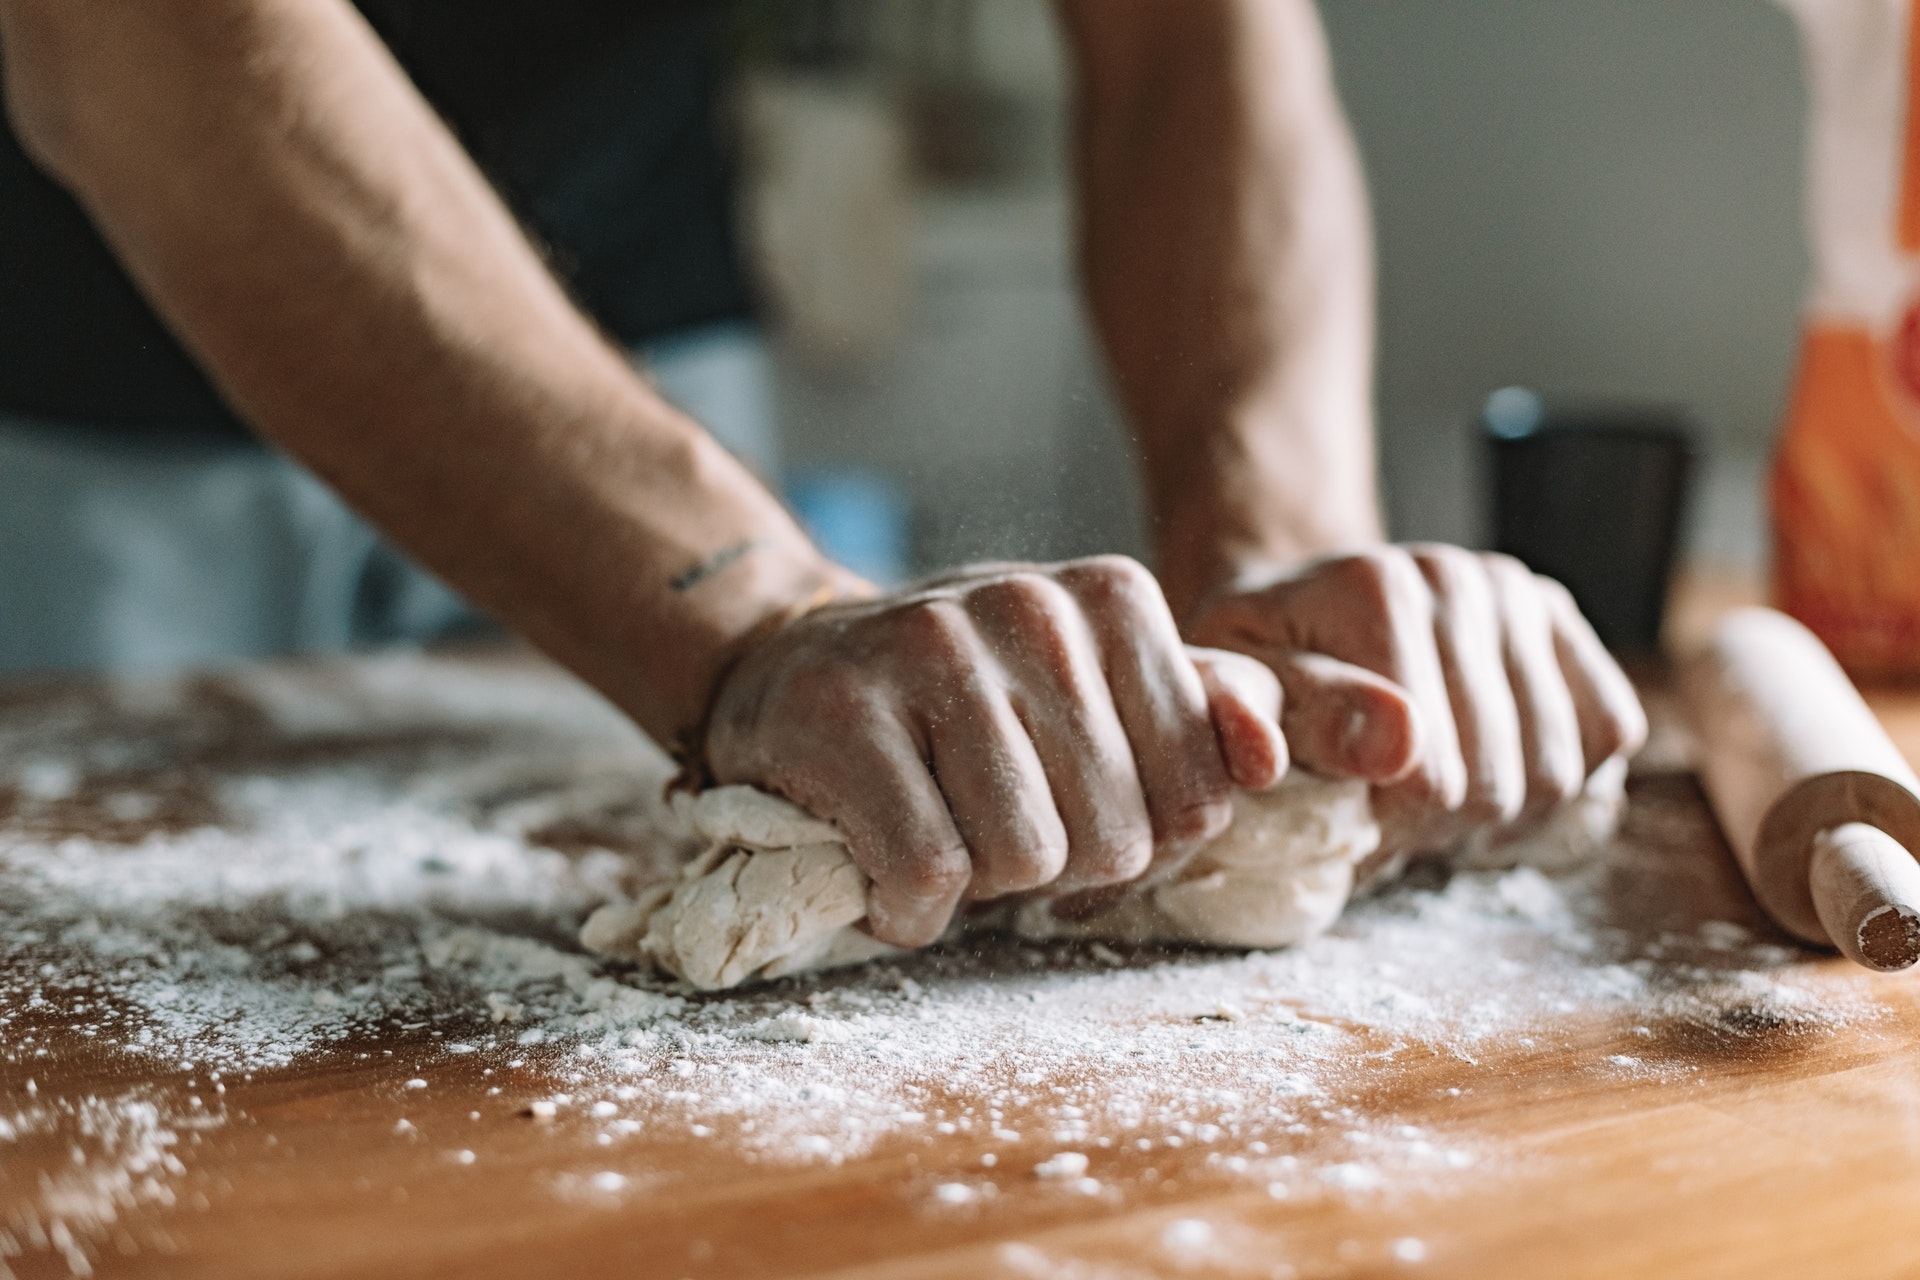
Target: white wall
x=1593 y=197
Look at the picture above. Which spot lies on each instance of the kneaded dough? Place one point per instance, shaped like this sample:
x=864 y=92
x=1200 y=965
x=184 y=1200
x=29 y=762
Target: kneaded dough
x=769 y=894
x=776 y=892
x=1279 y=874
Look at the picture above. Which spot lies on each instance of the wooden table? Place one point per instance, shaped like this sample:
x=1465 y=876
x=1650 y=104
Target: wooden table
x=1727 y=1138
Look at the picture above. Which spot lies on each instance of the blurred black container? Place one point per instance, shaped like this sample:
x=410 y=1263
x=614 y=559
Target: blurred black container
x=1592 y=495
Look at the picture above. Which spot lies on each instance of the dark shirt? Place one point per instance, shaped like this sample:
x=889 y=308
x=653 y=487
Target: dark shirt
x=597 y=120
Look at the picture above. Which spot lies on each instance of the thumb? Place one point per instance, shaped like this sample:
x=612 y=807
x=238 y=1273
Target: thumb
x=1347 y=721
x=1244 y=697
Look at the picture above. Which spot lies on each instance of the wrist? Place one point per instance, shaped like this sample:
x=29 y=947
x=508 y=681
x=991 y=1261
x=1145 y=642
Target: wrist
x=740 y=597
x=688 y=746
x=666 y=563
x=1212 y=545
x=1282 y=479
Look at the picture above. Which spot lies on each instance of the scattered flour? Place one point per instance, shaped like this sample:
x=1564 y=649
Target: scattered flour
x=1068 y=1164
x=216 y=879
x=121 y=1154
x=803 y=1028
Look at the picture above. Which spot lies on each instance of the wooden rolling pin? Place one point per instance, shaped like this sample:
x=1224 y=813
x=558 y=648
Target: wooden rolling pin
x=1822 y=810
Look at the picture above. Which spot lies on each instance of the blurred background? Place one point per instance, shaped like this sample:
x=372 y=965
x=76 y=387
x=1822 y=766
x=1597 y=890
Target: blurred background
x=839 y=233
x=1599 y=201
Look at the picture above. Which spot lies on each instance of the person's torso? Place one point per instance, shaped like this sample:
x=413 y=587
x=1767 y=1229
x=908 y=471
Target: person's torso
x=596 y=118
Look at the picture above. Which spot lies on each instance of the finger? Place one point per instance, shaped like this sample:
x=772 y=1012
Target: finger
x=1161 y=701
x=1035 y=628
x=1549 y=725
x=1243 y=697
x=1612 y=721
x=1375 y=610
x=878 y=792
x=987 y=767
x=1467 y=633
x=1414 y=664
x=1346 y=721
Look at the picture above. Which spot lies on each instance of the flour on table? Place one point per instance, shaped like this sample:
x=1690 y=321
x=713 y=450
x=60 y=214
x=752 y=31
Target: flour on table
x=776 y=891
x=211 y=887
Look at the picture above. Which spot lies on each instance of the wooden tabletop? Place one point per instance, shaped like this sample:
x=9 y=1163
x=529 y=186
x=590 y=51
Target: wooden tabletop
x=1619 y=1071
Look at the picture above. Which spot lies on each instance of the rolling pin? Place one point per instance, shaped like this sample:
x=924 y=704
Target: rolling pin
x=1821 y=809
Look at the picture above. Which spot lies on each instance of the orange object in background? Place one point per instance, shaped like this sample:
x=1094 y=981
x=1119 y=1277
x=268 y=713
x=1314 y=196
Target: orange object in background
x=1846 y=474
x=1846 y=500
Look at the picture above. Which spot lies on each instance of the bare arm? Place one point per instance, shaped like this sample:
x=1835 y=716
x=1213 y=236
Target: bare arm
x=311 y=230
x=321 y=243
x=1228 y=261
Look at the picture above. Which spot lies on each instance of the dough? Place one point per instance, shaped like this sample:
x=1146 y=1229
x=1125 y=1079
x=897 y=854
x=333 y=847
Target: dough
x=1278 y=875
x=776 y=892
x=1566 y=838
x=772 y=892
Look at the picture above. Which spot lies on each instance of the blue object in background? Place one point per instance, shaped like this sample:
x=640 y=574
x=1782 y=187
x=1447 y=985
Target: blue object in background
x=860 y=518
x=1513 y=413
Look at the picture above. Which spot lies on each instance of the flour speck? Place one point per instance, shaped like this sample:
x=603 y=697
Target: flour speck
x=387 y=864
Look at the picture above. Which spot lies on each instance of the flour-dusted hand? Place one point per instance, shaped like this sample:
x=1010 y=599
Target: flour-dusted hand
x=1468 y=688
x=1005 y=729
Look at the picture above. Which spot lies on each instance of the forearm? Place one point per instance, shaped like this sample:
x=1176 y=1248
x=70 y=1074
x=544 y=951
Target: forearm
x=315 y=235
x=1228 y=265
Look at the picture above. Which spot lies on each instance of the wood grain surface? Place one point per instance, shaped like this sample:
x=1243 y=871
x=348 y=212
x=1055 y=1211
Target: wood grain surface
x=1749 y=1142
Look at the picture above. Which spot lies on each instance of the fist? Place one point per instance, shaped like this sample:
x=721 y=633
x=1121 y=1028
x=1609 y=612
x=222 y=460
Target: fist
x=1467 y=688
x=1007 y=729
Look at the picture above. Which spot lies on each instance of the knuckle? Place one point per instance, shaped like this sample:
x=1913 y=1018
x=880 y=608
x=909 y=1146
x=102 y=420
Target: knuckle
x=1113 y=579
x=1382 y=579
x=1631 y=720
x=1022 y=588
x=912 y=928
x=1114 y=856
x=1018 y=865
x=936 y=629
x=1440 y=553
x=1200 y=814
x=1449 y=571
x=1553 y=782
x=1507 y=574
x=1558 y=601
x=1031 y=601
x=1525 y=607
x=1124 y=570
x=1489 y=802
x=1027 y=868
x=1400 y=570
x=933 y=874
x=1610 y=738
x=1553 y=588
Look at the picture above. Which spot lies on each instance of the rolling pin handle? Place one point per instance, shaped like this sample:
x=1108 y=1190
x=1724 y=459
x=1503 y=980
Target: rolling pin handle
x=1866 y=888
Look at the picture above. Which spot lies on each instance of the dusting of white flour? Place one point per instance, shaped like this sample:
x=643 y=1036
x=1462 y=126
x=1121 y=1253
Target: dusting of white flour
x=216 y=880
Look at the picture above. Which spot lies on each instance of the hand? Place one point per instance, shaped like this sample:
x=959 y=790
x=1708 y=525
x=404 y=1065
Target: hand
x=1008 y=728
x=1467 y=688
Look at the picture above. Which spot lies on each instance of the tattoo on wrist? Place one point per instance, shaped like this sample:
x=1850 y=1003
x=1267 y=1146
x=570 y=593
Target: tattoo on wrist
x=688 y=579
x=689 y=746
